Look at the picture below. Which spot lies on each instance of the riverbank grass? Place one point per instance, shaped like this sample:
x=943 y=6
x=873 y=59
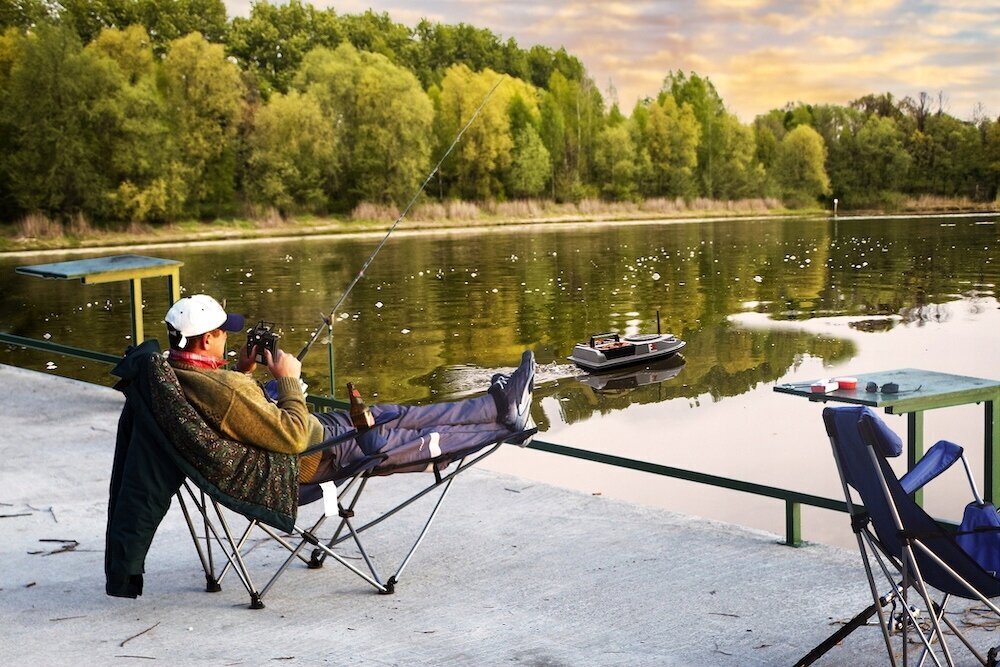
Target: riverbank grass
x=38 y=232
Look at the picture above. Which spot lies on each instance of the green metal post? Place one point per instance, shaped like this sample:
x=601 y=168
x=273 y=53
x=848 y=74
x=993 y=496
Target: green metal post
x=136 y=292
x=793 y=524
x=915 y=446
x=173 y=287
x=991 y=451
x=329 y=355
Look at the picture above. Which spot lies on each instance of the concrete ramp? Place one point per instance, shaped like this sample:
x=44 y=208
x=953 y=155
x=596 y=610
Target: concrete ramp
x=513 y=573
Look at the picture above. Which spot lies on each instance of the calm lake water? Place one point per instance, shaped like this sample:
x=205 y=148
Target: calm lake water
x=758 y=302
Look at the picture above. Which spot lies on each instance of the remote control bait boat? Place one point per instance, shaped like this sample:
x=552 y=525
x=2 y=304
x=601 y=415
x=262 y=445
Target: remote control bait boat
x=611 y=350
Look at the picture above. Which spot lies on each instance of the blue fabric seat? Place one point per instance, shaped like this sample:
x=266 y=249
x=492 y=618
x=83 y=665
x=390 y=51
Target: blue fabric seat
x=914 y=552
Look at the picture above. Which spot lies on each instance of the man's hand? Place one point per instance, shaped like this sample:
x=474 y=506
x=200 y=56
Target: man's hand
x=247 y=362
x=285 y=366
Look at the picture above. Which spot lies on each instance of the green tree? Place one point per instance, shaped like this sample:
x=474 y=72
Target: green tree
x=700 y=94
x=204 y=95
x=799 y=166
x=991 y=150
x=131 y=49
x=293 y=154
x=383 y=121
x=737 y=174
x=552 y=130
x=883 y=161
x=615 y=163
x=671 y=139
x=582 y=110
x=439 y=46
x=56 y=113
x=22 y=14
x=164 y=20
x=274 y=39
x=378 y=33
x=11 y=45
x=530 y=166
x=948 y=158
x=138 y=141
x=477 y=167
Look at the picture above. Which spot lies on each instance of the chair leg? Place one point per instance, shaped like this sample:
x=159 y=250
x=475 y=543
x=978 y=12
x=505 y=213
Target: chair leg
x=211 y=583
x=910 y=563
x=232 y=552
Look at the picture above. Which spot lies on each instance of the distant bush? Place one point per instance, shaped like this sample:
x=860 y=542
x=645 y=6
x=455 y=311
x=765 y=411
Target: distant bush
x=38 y=226
x=518 y=208
x=375 y=212
x=462 y=210
x=429 y=211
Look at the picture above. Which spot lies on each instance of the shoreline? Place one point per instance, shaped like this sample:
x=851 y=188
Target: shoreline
x=205 y=234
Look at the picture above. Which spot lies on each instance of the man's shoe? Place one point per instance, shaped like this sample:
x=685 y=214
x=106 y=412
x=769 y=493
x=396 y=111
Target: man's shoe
x=529 y=425
x=517 y=391
x=498 y=390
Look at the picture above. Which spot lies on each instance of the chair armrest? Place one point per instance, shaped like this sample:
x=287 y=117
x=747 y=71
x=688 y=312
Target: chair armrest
x=938 y=458
x=330 y=442
x=348 y=435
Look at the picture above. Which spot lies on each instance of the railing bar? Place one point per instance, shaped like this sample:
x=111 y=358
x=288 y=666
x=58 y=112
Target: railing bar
x=47 y=346
x=690 y=475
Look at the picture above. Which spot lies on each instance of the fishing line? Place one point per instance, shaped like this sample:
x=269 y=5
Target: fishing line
x=328 y=320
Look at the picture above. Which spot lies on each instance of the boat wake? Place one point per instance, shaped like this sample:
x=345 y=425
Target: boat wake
x=462 y=380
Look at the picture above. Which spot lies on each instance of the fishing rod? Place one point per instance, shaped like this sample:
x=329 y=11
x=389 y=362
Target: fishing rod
x=328 y=319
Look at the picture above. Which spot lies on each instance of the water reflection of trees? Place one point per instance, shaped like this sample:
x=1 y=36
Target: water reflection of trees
x=480 y=298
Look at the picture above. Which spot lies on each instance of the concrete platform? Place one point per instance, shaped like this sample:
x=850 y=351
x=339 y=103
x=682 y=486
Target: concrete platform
x=514 y=572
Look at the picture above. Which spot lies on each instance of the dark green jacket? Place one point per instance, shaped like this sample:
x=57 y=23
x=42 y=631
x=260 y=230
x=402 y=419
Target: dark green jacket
x=162 y=440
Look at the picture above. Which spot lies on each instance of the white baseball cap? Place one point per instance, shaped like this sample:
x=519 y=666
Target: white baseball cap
x=198 y=314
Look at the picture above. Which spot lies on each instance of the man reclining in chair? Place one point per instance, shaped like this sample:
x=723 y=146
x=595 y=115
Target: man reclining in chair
x=236 y=406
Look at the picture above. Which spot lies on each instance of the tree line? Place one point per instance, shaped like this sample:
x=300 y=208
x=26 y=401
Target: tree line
x=155 y=111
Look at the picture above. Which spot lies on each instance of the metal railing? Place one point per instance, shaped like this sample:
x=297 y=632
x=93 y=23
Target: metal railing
x=793 y=500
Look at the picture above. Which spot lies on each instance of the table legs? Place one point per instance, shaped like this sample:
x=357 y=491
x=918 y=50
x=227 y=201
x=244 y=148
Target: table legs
x=915 y=446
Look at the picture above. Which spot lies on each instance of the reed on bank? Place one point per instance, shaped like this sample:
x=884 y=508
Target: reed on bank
x=39 y=232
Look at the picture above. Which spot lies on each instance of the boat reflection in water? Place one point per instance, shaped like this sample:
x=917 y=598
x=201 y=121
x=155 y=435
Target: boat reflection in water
x=626 y=379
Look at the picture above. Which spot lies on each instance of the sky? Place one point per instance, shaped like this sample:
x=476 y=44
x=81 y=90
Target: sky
x=760 y=54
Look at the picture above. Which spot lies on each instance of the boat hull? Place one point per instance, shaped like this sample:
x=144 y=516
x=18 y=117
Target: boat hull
x=624 y=379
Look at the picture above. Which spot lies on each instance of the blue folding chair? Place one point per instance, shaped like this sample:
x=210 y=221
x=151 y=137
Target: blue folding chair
x=908 y=547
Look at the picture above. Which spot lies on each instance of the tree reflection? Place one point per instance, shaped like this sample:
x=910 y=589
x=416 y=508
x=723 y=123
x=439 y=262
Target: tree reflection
x=475 y=299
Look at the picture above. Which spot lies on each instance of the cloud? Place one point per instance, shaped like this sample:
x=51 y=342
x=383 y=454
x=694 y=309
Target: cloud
x=759 y=53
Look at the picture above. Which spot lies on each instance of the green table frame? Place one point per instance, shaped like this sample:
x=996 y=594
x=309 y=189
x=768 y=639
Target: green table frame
x=132 y=268
x=936 y=390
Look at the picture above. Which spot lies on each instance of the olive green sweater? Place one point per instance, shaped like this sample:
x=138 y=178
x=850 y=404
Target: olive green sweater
x=234 y=404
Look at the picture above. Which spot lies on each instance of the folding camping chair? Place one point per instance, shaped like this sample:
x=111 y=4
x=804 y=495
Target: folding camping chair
x=909 y=548
x=340 y=503
x=173 y=449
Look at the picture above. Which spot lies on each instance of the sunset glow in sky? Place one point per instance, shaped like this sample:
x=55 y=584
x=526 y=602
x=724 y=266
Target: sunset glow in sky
x=760 y=54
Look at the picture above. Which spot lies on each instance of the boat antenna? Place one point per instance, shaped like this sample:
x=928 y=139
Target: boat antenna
x=328 y=319
x=658 y=321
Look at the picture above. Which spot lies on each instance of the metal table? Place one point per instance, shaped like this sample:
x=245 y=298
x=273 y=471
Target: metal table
x=132 y=268
x=936 y=390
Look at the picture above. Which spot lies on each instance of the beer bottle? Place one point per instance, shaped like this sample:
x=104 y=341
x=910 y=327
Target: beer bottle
x=361 y=416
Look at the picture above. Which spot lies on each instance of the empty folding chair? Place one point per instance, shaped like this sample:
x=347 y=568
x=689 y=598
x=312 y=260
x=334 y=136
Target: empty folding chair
x=904 y=546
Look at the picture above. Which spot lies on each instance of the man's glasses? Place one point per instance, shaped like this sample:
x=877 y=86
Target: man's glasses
x=888 y=388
